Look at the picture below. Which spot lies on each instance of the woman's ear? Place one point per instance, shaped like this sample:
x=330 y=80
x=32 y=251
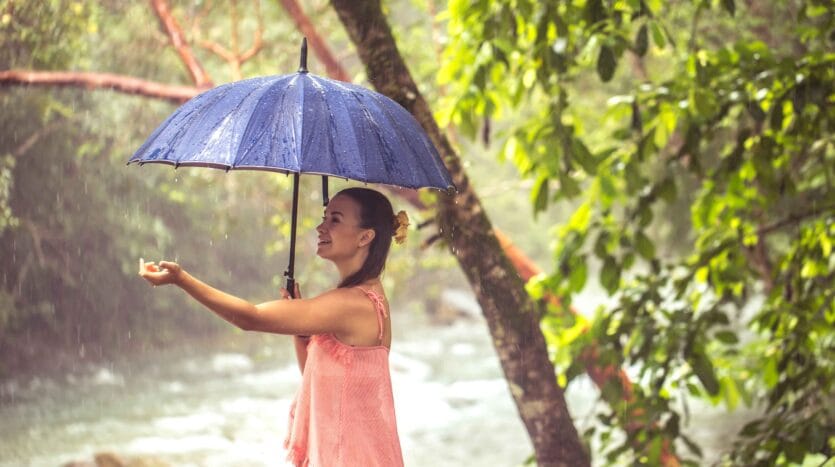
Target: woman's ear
x=367 y=237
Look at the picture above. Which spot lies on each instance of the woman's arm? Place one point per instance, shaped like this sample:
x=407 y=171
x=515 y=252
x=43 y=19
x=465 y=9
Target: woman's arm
x=326 y=313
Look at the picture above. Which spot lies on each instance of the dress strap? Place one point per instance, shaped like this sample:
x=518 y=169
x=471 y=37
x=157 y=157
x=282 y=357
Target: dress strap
x=379 y=307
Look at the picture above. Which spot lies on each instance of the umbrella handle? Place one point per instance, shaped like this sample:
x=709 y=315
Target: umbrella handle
x=291 y=287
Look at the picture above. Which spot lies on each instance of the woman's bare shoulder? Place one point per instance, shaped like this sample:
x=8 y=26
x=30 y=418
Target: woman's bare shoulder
x=347 y=298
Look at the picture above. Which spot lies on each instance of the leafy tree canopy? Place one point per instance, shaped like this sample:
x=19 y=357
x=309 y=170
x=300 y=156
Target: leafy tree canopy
x=694 y=141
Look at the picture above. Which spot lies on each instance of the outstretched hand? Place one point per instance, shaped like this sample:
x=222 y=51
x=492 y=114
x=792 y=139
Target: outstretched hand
x=166 y=272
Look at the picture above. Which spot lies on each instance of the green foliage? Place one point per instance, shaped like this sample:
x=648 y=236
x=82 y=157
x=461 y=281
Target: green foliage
x=731 y=122
x=74 y=220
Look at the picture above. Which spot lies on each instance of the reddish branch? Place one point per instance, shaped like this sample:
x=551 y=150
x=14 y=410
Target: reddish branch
x=234 y=57
x=93 y=80
x=315 y=41
x=178 y=40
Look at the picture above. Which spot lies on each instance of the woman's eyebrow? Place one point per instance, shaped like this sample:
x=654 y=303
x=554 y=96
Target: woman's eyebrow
x=334 y=213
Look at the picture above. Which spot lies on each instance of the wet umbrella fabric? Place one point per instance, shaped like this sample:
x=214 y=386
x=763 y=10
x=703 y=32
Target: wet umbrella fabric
x=299 y=123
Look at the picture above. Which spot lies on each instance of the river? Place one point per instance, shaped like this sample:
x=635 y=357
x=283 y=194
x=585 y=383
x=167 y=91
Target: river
x=226 y=404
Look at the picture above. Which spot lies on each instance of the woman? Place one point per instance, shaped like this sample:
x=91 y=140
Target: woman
x=343 y=414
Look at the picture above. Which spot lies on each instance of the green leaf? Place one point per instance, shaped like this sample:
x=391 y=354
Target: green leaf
x=594 y=11
x=644 y=245
x=579 y=220
x=751 y=429
x=795 y=452
x=579 y=274
x=704 y=371
x=657 y=35
x=693 y=447
x=569 y=187
x=730 y=6
x=704 y=102
x=610 y=275
x=642 y=41
x=606 y=63
x=728 y=337
x=583 y=156
x=667 y=190
x=601 y=249
x=672 y=427
x=776 y=118
x=539 y=194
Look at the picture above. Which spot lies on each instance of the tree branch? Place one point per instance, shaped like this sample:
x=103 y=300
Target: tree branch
x=45 y=261
x=95 y=80
x=175 y=33
x=218 y=50
x=793 y=218
x=258 y=40
x=27 y=144
x=234 y=57
x=323 y=53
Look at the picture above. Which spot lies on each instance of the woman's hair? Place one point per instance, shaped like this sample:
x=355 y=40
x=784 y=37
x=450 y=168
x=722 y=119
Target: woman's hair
x=375 y=213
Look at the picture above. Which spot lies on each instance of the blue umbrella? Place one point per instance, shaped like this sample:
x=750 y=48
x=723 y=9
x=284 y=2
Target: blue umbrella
x=294 y=124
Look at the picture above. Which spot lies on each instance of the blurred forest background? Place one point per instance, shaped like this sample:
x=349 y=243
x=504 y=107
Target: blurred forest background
x=673 y=160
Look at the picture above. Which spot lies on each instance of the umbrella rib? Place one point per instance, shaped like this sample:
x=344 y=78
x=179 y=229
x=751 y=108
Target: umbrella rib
x=331 y=150
x=414 y=167
x=180 y=133
x=218 y=98
x=298 y=131
x=378 y=132
x=262 y=86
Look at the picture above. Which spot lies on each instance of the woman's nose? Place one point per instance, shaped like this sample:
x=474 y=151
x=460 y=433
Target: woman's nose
x=321 y=227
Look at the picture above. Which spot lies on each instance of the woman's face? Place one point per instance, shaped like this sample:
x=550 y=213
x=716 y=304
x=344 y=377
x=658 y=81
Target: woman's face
x=340 y=234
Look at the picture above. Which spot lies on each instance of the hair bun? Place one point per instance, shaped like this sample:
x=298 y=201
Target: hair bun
x=401 y=227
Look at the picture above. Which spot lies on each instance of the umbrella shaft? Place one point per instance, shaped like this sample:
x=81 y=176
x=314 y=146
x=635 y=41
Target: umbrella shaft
x=291 y=282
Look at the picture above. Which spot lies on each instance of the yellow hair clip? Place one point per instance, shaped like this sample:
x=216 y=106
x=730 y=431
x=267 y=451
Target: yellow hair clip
x=401 y=227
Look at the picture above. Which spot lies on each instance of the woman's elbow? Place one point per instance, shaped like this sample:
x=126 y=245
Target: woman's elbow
x=247 y=323
x=256 y=323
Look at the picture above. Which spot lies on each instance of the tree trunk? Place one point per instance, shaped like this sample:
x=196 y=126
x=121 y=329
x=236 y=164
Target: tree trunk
x=512 y=317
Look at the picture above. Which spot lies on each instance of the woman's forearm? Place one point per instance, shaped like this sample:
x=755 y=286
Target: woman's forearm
x=235 y=310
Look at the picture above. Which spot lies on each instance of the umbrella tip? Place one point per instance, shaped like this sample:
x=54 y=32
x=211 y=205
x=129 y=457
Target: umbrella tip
x=303 y=59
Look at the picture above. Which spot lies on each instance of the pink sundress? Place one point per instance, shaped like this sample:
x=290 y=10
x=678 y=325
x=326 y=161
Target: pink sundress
x=343 y=415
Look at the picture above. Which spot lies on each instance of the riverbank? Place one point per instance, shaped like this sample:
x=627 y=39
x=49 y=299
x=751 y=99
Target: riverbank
x=225 y=403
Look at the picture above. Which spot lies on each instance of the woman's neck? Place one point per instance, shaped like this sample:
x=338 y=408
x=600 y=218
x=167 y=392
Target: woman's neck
x=350 y=266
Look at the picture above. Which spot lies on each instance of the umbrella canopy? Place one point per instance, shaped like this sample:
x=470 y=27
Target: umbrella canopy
x=299 y=123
